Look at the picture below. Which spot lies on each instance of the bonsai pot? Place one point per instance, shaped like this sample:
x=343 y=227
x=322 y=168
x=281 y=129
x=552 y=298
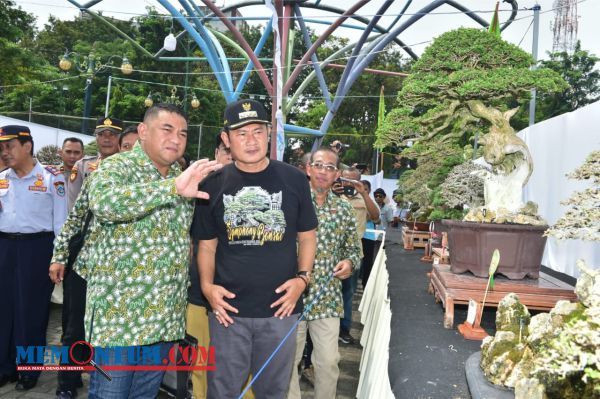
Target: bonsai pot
x=418 y=226
x=472 y=244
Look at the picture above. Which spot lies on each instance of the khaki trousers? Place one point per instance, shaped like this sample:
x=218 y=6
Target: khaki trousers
x=197 y=327
x=325 y=357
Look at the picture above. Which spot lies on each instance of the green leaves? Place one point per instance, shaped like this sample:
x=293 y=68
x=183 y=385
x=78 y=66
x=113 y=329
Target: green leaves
x=493 y=266
x=460 y=66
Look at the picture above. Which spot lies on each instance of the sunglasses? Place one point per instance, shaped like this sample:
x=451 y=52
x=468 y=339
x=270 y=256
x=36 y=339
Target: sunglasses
x=379 y=196
x=324 y=166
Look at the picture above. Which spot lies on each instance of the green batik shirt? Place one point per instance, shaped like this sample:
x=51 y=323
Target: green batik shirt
x=138 y=263
x=73 y=225
x=336 y=240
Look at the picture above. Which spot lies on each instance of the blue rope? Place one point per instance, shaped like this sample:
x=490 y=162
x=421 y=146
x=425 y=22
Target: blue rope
x=307 y=309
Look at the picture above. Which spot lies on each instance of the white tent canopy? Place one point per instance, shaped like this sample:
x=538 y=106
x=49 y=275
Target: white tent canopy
x=559 y=146
x=45 y=135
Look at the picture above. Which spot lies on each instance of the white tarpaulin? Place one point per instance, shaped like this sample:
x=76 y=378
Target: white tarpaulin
x=559 y=146
x=45 y=135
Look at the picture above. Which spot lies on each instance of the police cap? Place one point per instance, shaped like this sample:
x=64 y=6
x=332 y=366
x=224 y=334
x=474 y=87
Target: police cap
x=10 y=132
x=114 y=125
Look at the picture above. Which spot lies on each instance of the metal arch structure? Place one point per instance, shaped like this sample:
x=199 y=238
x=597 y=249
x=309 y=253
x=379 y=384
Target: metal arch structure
x=285 y=16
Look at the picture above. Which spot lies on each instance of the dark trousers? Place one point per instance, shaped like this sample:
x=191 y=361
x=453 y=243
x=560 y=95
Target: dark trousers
x=348 y=289
x=242 y=348
x=370 y=248
x=25 y=291
x=73 y=312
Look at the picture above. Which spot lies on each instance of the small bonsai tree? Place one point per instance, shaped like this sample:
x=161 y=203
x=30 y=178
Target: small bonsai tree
x=463 y=186
x=582 y=220
x=48 y=155
x=467 y=82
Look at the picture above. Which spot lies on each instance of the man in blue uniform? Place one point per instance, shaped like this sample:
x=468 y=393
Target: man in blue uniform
x=33 y=208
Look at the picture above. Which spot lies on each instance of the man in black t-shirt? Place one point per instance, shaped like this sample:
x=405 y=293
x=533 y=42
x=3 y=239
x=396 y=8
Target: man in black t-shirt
x=257 y=245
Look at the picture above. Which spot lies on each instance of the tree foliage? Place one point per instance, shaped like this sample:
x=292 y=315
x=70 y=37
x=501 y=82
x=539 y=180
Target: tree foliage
x=578 y=70
x=48 y=155
x=460 y=68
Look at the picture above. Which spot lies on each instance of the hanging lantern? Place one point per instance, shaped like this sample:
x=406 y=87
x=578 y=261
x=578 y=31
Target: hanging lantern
x=148 y=101
x=126 y=67
x=195 y=102
x=65 y=63
x=170 y=43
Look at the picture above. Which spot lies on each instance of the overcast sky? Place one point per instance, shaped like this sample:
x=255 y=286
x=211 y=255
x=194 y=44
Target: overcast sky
x=419 y=35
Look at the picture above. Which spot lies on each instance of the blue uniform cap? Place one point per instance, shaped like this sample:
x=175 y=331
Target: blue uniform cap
x=10 y=132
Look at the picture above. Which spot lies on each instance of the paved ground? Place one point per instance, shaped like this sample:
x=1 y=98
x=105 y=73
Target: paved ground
x=45 y=389
x=426 y=360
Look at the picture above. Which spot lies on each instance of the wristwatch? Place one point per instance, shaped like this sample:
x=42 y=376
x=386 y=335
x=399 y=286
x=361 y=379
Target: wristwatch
x=304 y=275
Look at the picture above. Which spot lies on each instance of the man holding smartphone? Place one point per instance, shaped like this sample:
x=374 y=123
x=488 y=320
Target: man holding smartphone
x=364 y=209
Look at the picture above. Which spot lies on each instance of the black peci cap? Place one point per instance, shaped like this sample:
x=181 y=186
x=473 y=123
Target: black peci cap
x=244 y=112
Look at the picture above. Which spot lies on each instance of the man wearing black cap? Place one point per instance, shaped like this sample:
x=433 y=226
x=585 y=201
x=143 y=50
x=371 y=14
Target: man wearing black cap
x=108 y=131
x=32 y=210
x=251 y=271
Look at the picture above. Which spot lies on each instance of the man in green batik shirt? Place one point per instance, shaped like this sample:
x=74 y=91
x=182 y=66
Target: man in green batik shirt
x=137 y=265
x=338 y=252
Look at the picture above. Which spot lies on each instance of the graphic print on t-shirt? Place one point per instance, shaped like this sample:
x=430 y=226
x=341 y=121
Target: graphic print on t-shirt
x=253 y=216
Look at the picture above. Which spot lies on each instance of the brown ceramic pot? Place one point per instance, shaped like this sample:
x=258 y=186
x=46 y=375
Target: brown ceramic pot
x=472 y=244
x=417 y=226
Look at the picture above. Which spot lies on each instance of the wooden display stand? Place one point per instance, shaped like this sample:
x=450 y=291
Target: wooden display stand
x=443 y=254
x=415 y=239
x=451 y=288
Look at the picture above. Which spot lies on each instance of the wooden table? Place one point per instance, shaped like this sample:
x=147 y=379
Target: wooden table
x=451 y=288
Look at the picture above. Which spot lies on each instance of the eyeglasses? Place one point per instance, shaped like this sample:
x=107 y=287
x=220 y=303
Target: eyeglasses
x=324 y=166
x=378 y=196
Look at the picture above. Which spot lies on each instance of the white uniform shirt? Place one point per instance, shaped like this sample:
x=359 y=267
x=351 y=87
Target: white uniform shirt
x=386 y=215
x=34 y=203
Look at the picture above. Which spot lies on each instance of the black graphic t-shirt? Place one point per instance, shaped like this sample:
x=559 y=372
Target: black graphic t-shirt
x=256 y=218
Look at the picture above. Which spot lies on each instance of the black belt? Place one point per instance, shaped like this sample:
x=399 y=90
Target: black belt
x=25 y=236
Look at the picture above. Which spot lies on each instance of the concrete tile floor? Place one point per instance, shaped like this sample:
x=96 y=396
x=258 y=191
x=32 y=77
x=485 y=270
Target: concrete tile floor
x=46 y=387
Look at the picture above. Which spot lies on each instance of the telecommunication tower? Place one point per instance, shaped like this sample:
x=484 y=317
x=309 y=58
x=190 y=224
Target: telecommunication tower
x=565 y=25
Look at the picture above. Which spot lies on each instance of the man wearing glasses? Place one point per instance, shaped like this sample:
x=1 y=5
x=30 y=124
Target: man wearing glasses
x=257 y=244
x=338 y=254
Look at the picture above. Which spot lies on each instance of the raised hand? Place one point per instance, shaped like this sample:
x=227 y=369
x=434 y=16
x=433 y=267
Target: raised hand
x=187 y=182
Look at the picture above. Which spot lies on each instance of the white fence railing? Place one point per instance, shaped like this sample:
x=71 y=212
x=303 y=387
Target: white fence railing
x=376 y=316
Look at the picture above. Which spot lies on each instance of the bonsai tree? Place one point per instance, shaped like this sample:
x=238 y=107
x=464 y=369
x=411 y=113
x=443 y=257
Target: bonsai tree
x=582 y=220
x=468 y=83
x=463 y=187
x=48 y=155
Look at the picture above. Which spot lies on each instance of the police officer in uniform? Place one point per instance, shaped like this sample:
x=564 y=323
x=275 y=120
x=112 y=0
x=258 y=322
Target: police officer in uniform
x=70 y=153
x=107 y=134
x=33 y=208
